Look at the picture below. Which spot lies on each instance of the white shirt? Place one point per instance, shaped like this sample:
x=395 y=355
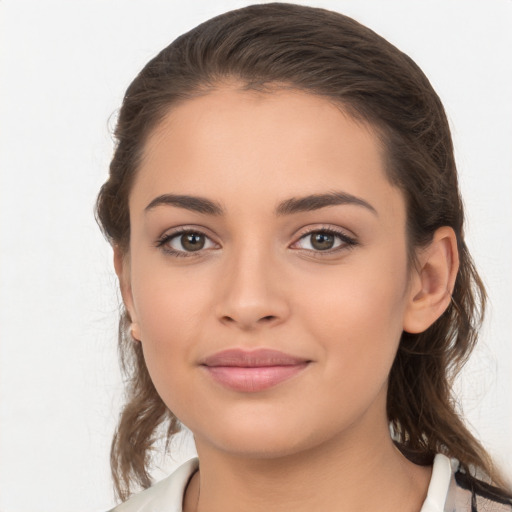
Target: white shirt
x=443 y=495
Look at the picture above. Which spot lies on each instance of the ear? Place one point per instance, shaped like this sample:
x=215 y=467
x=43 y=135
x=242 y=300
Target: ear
x=432 y=281
x=122 y=268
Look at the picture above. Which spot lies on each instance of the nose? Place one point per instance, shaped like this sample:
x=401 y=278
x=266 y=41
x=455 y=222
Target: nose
x=253 y=292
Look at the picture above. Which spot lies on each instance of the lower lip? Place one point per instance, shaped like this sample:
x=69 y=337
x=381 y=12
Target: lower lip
x=253 y=379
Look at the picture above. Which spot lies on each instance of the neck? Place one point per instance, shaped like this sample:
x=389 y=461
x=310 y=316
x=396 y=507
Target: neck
x=356 y=473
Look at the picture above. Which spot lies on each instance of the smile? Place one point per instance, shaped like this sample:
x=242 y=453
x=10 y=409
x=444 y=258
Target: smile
x=253 y=371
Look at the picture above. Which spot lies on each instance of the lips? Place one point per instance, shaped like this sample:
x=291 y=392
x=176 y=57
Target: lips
x=252 y=371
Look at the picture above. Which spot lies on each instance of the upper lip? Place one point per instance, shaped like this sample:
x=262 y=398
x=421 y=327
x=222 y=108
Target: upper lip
x=252 y=358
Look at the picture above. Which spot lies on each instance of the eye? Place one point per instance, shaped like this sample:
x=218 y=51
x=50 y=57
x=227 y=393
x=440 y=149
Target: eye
x=179 y=244
x=327 y=240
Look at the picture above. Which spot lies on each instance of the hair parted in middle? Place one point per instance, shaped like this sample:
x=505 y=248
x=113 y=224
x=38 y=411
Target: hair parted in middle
x=271 y=46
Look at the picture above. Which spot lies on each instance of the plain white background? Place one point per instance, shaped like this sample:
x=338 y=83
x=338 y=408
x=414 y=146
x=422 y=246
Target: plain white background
x=64 y=69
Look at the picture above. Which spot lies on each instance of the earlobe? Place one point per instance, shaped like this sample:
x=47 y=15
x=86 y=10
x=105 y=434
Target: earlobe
x=122 y=268
x=433 y=281
x=135 y=331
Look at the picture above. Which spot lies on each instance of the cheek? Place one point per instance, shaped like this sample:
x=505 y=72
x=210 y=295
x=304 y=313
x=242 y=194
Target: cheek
x=168 y=300
x=170 y=309
x=357 y=320
x=169 y=325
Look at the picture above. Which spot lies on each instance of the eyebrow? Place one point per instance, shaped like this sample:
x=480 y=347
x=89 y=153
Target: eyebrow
x=317 y=201
x=193 y=203
x=287 y=207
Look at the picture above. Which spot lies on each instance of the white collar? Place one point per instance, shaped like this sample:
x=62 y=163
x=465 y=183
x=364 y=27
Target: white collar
x=164 y=496
x=439 y=484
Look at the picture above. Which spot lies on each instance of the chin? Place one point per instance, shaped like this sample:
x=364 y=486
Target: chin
x=261 y=448
x=262 y=439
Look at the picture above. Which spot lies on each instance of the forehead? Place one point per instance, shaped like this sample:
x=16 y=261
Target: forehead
x=252 y=148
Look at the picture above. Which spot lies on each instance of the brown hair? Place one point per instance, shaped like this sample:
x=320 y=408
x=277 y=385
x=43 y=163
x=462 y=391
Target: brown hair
x=326 y=53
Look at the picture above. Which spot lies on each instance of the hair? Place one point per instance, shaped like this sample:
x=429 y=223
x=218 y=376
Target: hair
x=269 y=46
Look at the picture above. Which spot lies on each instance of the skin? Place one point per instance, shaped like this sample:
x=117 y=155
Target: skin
x=320 y=440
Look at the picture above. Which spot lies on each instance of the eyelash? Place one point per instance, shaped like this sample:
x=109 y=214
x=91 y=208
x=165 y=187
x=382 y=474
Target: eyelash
x=347 y=241
x=166 y=238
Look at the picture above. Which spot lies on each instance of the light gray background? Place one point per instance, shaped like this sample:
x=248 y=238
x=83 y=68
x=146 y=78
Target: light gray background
x=64 y=68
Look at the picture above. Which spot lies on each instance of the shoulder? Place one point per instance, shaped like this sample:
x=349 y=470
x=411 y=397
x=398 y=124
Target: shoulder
x=452 y=490
x=164 y=496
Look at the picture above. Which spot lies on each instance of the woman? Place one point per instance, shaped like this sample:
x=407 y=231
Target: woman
x=288 y=235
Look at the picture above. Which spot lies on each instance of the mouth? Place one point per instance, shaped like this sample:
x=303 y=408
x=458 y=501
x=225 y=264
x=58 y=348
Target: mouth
x=252 y=371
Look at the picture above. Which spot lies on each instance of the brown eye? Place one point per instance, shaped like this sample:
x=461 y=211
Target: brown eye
x=185 y=242
x=192 y=241
x=325 y=240
x=322 y=241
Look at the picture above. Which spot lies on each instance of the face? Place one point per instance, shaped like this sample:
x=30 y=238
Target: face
x=267 y=272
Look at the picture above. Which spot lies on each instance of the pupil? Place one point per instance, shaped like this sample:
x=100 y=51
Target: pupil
x=192 y=241
x=322 y=241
